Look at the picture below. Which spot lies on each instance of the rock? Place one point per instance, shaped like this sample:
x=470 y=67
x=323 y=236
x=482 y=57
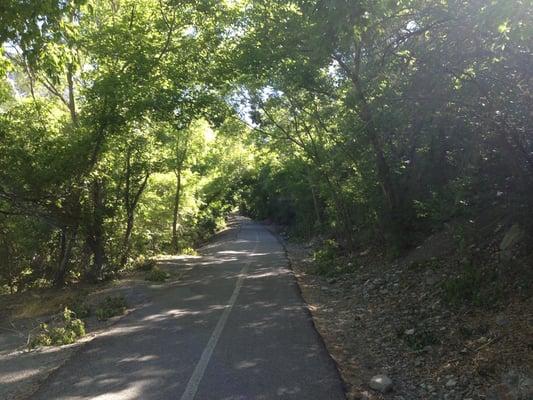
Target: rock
x=510 y=239
x=432 y=279
x=381 y=383
x=451 y=383
x=501 y=320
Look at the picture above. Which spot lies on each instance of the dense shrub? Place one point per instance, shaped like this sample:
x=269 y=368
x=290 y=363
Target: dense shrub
x=64 y=331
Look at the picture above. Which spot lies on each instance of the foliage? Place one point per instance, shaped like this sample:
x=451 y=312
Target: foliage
x=81 y=309
x=144 y=264
x=66 y=331
x=110 y=307
x=157 y=275
x=326 y=258
x=474 y=286
x=135 y=127
x=188 y=251
x=419 y=339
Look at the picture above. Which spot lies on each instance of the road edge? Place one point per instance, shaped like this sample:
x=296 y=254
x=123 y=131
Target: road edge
x=308 y=310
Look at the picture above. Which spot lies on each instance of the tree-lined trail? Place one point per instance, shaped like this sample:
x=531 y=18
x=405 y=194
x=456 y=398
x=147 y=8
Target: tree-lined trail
x=232 y=327
x=380 y=133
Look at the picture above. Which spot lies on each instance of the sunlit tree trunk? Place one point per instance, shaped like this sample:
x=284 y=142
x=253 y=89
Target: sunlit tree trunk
x=176 y=210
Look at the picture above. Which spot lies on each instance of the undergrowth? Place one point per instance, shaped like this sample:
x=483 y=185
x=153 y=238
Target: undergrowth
x=474 y=286
x=144 y=264
x=418 y=339
x=157 y=275
x=327 y=260
x=64 y=331
x=111 y=306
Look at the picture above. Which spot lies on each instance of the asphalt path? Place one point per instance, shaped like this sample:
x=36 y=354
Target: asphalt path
x=233 y=327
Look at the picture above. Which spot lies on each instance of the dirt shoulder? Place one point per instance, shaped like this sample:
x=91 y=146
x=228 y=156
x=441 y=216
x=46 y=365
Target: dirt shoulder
x=383 y=318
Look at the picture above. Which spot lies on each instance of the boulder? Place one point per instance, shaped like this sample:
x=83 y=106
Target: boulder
x=381 y=383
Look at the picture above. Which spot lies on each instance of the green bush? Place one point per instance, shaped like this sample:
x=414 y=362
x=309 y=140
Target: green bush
x=144 y=264
x=473 y=286
x=81 y=309
x=325 y=259
x=67 y=331
x=157 y=275
x=111 y=306
x=189 y=251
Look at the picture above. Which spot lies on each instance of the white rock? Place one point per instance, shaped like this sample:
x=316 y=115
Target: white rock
x=381 y=383
x=451 y=383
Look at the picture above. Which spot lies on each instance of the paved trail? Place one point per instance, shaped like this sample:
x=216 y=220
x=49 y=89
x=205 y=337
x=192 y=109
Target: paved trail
x=234 y=327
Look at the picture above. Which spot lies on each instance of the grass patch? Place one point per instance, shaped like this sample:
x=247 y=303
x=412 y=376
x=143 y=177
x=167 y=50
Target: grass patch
x=111 y=306
x=157 y=275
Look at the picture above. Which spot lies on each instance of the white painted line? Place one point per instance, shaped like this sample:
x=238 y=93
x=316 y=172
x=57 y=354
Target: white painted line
x=198 y=374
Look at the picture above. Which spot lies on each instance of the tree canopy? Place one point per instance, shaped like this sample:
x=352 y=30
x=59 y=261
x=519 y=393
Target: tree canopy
x=133 y=127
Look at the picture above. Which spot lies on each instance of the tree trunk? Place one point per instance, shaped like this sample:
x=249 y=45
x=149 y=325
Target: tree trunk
x=127 y=240
x=67 y=240
x=177 y=196
x=131 y=199
x=392 y=214
x=96 y=232
x=318 y=218
x=71 y=98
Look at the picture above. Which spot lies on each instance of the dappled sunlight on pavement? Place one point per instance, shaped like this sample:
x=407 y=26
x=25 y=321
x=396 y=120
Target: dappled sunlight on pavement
x=266 y=347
